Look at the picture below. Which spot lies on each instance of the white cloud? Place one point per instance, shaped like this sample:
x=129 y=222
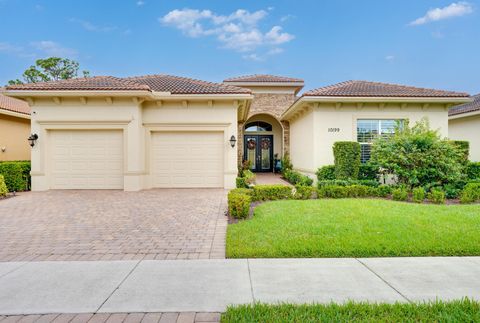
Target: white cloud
x=89 y=26
x=140 y=3
x=389 y=58
x=456 y=9
x=287 y=17
x=238 y=31
x=15 y=50
x=51 y=48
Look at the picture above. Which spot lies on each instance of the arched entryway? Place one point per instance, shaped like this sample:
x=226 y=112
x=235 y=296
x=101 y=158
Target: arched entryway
x=263 y=142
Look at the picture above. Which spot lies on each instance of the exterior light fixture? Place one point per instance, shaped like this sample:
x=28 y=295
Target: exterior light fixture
x=32 y=139
x=233 y=140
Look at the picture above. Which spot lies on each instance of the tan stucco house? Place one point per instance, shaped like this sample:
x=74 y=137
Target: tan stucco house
x=165 y=131
x=464 y=124
x=14 y=129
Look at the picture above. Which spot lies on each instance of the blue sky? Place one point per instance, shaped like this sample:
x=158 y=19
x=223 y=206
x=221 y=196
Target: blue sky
x=423 y=43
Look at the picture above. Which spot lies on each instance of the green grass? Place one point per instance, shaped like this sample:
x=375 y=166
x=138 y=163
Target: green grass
x=355 y=228
x=454 y=311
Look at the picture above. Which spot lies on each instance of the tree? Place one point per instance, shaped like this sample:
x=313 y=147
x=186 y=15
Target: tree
x=418 y=156
x=50 y=69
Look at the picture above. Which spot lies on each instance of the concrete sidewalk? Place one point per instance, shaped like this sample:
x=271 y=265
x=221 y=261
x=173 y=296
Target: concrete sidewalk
x=211 y=285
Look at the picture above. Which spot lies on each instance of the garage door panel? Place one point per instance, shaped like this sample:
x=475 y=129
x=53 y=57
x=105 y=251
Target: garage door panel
x=85 y=159
x=187 y=159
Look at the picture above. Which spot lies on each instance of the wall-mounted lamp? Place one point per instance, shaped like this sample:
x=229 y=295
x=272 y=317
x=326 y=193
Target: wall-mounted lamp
x=233 y=140
x=32 y=139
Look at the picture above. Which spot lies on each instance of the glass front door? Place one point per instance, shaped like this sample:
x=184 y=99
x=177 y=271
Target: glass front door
x=259 y=152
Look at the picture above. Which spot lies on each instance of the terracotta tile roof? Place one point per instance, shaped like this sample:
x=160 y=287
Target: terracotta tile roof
x=183 y=85
x=375 y=89
x=263 y=78
x=158 y=83
x=14 y=105
x=467 y=107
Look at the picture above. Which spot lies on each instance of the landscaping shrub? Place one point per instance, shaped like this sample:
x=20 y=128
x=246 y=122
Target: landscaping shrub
x=358 y=191
x=3 y=187
x=297 y=178
x=16 y=175
x=452 y=191
x=473 y=170
x=418 y=156
x=436 y=196
x=369 y=172
x=286 y=163
x=241 y=182
x=271 y=192
x=383 y=190
x=239 y=203
x=247 y=178
x=347 y=159
x=400 y=194
x=332 y=191
x=418 y=195
x=326 y=173
x=464 y=148
x=340 y=182
x=470 y=193
x=303 y=192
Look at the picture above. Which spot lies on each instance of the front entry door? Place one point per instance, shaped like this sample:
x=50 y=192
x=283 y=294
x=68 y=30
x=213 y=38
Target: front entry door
x=259 y=152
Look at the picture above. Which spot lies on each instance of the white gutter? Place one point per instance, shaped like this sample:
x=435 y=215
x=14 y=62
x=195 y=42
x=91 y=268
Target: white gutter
x=15 y=114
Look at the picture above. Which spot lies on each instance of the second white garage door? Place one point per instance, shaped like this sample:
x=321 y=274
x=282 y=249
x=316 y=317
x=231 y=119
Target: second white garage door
x=187 y=159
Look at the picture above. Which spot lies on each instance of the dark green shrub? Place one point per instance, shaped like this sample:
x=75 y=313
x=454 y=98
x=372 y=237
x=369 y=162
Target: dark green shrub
x=357 y=191
x=367 y=182
x=333 y=191
x=271 y=192
x=241 y=182
x=436 y=196
x=452 y=191
x=16 y=175
x=400 y=194
x=473 y=170
x=341 y=182
x=3 y=187
x=418 y=195
x=303 y=192
x=297 y=178
x=326 y=173
x=470 y=193
x=347 y=159
x=369 y=171
x=239 y=201
x=383 y=190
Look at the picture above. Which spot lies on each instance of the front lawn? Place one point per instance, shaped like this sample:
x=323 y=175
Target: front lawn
x=454 y=311
x=355 y=228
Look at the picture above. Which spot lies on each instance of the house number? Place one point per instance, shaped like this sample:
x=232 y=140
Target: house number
x=333 y=129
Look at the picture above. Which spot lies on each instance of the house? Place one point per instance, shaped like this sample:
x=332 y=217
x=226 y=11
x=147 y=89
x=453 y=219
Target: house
x=464 y=124
x=166 y=131
x=14 y=129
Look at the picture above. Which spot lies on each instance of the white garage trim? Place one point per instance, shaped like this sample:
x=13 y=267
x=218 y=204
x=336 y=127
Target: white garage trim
x=86 y=159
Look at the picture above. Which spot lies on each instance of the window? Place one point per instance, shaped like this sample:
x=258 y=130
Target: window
x=258 y=126
x=369 y=129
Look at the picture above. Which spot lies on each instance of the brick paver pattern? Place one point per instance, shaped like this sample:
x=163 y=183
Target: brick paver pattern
x=113 y=225
x=182 y=317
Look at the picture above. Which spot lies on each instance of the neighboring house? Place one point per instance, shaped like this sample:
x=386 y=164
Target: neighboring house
x=166 y=131
x=464 y=124
x=14 y=129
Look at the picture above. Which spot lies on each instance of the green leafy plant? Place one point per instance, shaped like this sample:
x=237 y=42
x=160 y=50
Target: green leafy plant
x=297 y=178
x=357 y=191
x=326 y=173
x=333 y=191
x=286 y=163
x=470 y=193
x=400 y=194
x=341 y=182
x=418 y=194
x=369 y=171
x=303 y=192
x=383 y=190
x=241 y=182
x=464 y=148
x=3 y=187
x=272 y=192
x=347 y=159
x=418 y=156
x=16 y=175
x=239 y=201
x=436 y=196
x=473 y=170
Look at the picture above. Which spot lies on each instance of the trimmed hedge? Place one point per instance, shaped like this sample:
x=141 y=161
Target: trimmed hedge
x=16 y=175
x=239 y=201
x=3 y=187
x=473 y=170
x=341 y=182
x=436 y=196
x=303 y=192
x=418 y=195
x=326 y=173
x=297 y=178
x=400 y=194
x=470 y=193
x=272 y=192
x=347 y=159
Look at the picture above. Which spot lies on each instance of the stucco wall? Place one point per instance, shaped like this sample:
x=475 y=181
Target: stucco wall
x=137 y=120
x=302 y=143
x=13 y=138
x=467 y=128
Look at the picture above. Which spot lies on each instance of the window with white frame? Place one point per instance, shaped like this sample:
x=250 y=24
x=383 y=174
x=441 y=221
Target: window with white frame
x=369 y=129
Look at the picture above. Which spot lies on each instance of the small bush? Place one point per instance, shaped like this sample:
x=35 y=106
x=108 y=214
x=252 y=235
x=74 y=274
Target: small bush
x=368 y=172
x=333 y=191
x=271 y=192
x=297 y=178
x=3 y=187
x=241 y=182
x=326 y=173
x=473 y=170
x=347 y=159
x=418 y=195
x=436 y=196
x=303 y=192
x=470 y=193
x=384 y=190
x=452 y=191
x=463 y=147
x=16 y=175
x=400 y=194
x=239 y=201
x=286 y=163
x=357 y=191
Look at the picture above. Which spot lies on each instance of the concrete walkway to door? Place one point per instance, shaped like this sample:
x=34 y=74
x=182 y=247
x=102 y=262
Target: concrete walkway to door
x=211 y=285
x=270 y=178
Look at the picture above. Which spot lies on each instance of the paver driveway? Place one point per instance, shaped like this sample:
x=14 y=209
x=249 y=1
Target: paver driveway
x=111 y=225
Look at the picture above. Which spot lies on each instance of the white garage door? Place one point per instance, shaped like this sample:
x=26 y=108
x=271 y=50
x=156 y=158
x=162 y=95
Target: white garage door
x=187 y=159
x=84 y=159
